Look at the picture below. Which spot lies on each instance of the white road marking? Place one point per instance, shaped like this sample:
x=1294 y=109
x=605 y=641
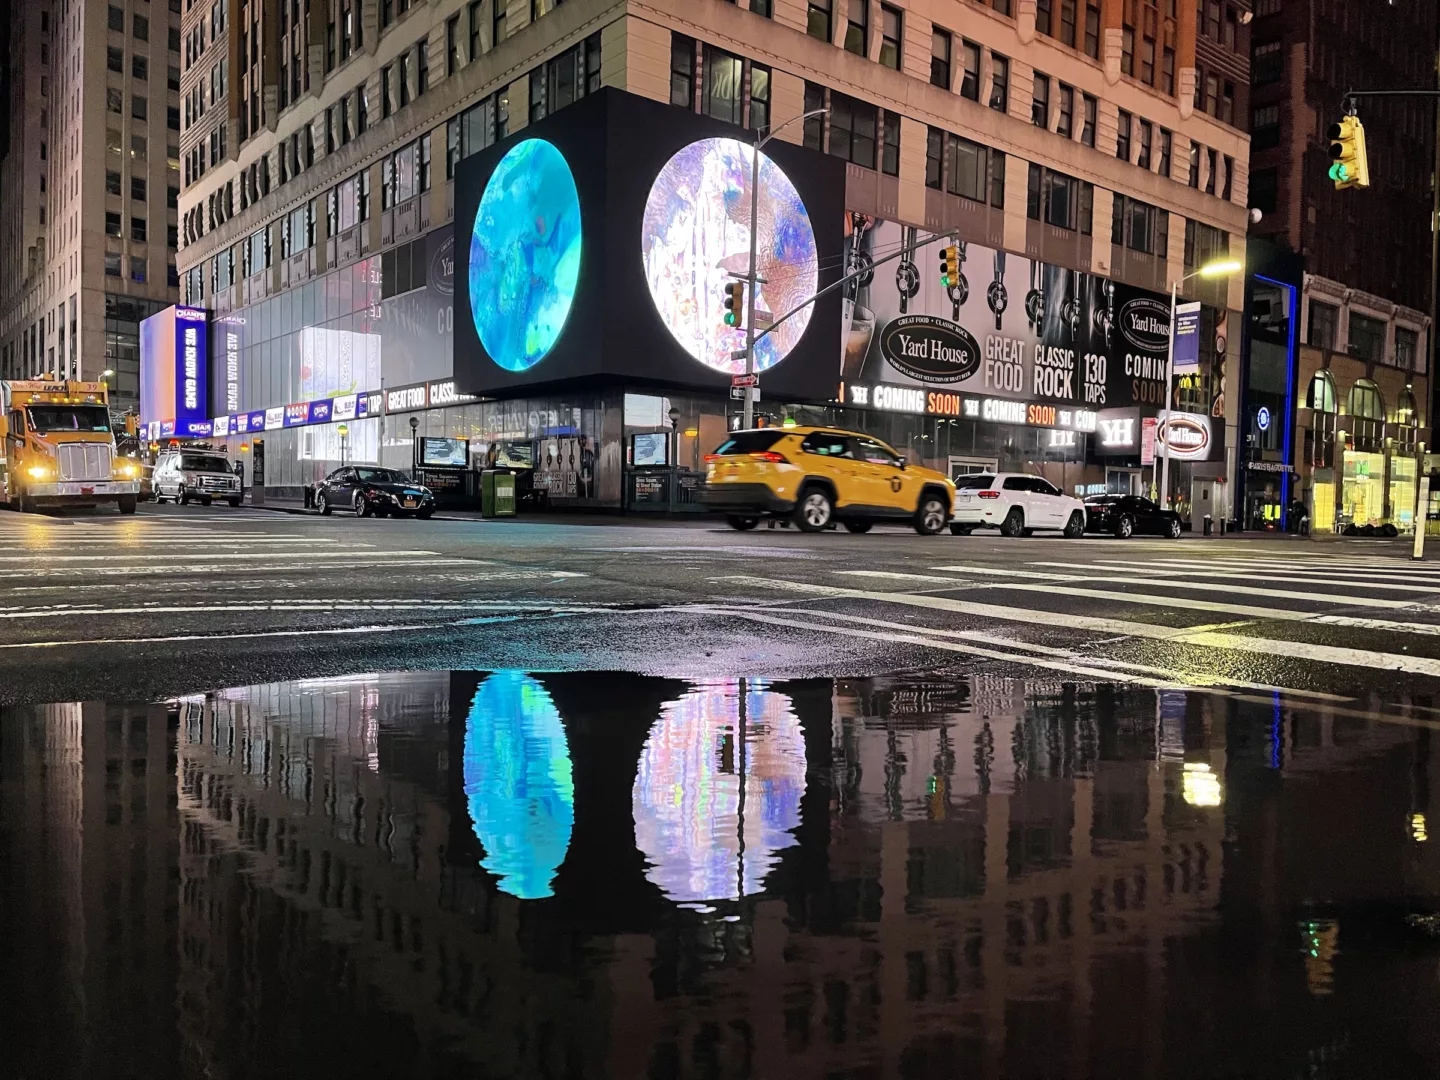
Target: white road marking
x=226 y=556
x=62 y=610
x=1299 y=579
x=156 y=569
x=1400 y=626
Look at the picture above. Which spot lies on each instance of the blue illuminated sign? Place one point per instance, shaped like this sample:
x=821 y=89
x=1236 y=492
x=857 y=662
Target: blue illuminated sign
x=1262 y=418
x=191 y=364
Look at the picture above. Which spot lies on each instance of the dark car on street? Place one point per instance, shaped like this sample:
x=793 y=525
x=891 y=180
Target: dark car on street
x=1129 y=515
x=370 y=491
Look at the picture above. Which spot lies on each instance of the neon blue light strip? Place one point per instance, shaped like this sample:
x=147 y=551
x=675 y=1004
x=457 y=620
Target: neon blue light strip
x=1289 y=391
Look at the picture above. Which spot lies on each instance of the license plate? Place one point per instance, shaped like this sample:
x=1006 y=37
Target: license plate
x=409 y=502
x=966 y=496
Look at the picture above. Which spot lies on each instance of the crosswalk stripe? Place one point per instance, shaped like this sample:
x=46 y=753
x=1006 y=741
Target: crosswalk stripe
x=221 y=556
x=1348 y=599
x=1297 y=578
x=1404 y=572
x=1197 y=635
x=154 y=569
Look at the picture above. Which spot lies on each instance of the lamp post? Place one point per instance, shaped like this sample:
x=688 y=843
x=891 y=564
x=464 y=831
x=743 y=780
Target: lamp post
x=751 y=283
x=1219 y=268
x=344 y=432
x=674 y=456
x=414 y=447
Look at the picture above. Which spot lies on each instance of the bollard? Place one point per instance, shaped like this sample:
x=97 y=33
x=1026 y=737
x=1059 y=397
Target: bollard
x=1422 y=507
x=1209 y=524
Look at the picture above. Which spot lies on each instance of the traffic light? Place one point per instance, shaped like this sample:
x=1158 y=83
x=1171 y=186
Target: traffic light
x=734 y=303
x=949 y=265
x=1349 y=167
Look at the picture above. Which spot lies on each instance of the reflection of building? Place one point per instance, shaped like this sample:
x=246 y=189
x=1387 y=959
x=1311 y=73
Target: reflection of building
x=1104 y=139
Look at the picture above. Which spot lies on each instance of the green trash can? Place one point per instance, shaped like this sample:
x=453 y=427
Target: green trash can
x=497 y=493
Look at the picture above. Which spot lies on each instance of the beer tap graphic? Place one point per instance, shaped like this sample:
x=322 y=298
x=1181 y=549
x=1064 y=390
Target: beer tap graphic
x=1105 y=316
x=1070 y=310
x=995 y=295
x=1035 y=298
x=907 y=277
x=959 y=291
x=860 y=258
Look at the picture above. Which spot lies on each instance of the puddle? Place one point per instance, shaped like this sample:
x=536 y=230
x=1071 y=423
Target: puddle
x=608 y=875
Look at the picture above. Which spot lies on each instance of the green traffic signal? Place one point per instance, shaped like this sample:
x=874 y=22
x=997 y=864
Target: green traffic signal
x=730 y=319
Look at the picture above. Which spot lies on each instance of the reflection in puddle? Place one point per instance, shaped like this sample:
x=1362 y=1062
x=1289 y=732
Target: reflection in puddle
x=718 y=790
x=518 y=783
x=606 y=875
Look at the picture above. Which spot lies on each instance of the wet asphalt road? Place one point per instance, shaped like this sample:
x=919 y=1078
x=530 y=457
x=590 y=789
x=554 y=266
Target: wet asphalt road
x=178 y=600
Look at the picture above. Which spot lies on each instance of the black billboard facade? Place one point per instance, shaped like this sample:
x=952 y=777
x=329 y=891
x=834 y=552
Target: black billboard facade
x=597 y=244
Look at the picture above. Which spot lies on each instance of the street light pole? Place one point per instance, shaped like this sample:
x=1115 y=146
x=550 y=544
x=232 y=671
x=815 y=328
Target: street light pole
x=751 y=284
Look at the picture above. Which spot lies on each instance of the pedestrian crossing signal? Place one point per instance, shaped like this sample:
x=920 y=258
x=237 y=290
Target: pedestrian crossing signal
x=1349 y=167
x=734 y=302
x=949 y=265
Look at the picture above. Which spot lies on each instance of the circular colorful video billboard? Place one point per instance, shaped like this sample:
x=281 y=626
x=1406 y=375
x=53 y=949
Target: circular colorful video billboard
x=525 y=255
x=696 y=236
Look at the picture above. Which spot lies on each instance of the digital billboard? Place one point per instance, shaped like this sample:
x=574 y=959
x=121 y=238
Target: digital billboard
x=174 y=363
x=596 y=243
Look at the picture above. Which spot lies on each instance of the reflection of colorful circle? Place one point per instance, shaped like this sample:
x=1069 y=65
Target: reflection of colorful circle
x=518 y=782
x=696 y=235
x=715 y=800
x=525 y=255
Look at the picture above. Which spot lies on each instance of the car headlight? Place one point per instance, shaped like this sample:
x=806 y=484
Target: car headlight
x=38 y=472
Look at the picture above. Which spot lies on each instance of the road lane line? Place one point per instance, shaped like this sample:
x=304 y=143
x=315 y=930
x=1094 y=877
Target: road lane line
x=1234 y=575
x=224 y=556
x=1195 y=635
x=152 y=570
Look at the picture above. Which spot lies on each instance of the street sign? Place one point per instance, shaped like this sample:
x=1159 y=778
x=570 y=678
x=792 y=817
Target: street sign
x=1187 y=338
x=745 y=380
x=739 y=354
x=737 y=393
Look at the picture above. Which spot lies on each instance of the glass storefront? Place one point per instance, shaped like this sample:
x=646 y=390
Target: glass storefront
x=1362 y=492
x=1322 y=502
x=1403 y=491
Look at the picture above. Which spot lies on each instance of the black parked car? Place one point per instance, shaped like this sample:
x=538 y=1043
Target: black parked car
x=368 y=491
x=1127 y=515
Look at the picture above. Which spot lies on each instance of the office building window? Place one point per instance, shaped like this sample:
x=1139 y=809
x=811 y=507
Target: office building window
x=852 y=130
x=759 y=97
x=137 y=229
x=970 y=81
x=1067 y=22
x=112 y=224
x=1044 y=16
x=891 y=36
x=1146 y=136
x=1092 y=31
x=723 y=85
x=140 y=68
x=116 y=18
x=890 y=153
x=817 y=19
x=112 y=182
x=815 y=125
x=1406 y=342
x=1060 y=200
x=941 y=44
x=1040 y=101
x=1264 y=127
x=137 y=268
x=1264 y=190
x=1000 y=83
x=976 y=172
x=1140 y=227
x=1194 y=179
x=857 y=28
x=112 y=264
x=498 y=30
x=682 y=71
x=137 y=188
x=1127 y=51
x=1122 y=136
x=1167 y=70
x=1065 y=124
x=1166 y=145
x=453 y=60
x=142 y=33
x=1087 y=129
x=115 y=59
x=473 y=31
x=1267 y=63
x=934 y=158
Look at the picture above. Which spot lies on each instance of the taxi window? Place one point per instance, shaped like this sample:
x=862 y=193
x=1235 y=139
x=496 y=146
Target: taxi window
x=827 y=444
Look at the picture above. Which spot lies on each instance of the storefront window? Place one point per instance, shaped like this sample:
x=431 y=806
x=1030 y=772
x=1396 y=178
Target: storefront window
x=1362 y=495
x=1403 y=470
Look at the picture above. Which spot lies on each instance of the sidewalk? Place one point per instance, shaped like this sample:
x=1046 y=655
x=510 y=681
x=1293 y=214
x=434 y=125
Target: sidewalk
x=552 y=517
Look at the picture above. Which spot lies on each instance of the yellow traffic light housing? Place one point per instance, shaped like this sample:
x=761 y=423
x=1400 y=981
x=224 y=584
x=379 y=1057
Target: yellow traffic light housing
x=734 y=303
x=1349 y=167
x=949 y=265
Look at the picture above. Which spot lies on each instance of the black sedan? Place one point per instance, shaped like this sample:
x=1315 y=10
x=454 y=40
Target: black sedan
x=1126 y=515
x=367 y=491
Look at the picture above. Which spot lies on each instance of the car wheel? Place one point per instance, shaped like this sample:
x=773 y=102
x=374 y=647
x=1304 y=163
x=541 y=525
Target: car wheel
x=127 y=504
x=1125 y=527
x=1014 y=523
x=741 y=523
x=859 y=526
x=206 y=500
x=932 y=515
x=363 y=507
x=961 y=530
x=815 y=510
x=1075 y=527
x=183 y=496
x=323 y=504
x=234 y=500
x=1172 y=529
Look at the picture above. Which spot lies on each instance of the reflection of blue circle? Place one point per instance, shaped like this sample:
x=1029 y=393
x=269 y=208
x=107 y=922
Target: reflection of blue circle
x=1262 y=419
x=518 y=782
x=525 y=255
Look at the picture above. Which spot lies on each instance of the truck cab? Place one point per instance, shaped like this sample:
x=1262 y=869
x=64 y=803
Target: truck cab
x=57 y=448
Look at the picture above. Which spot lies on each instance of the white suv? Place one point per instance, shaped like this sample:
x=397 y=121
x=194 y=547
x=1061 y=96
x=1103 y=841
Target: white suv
x=1016 y=504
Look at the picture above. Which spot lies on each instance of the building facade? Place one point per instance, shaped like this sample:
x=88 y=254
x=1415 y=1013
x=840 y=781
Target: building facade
x=92 y=183
x=319 y=154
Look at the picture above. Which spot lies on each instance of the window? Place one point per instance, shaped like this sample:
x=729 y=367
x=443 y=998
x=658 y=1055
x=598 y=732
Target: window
x=139 y=107
x=976 y=172
x=1146 y=133
x=857 y=29
x=1264 y=127
x=1166 y=145
x=723 y=94
x=137 y=268
x=1324 y=318
x=139 y=67
x=890 y=152
x=1232 y=28
x=1204 y=244
x=142 y=33
x=1212 y=167
x=474 y=31
x=453 y=60
x=115 y=58
x=852 y=130
x=1040 y=101
x=1367 y=338
x=114 y=100
x=362 y=99
x=1406 y=342
x=682 y=71
x=1092 y=31
x=1087 y=130
x=817 y=19
x=1044 y=16
x=385 y=79
x=1167 y=70
x=137 y=229
x=1067 y=22
x=759 y=97
x=1065 y=124
x=422 y=68
x=112 y=224
x=112 y=264
x=941 y=44
x=172 y=78
x=1225 y=191
x=1000 y=83
x=405 y=62
x=1267 y=63
x=1122 y=135
x=1365 y=401
x=112 y=182
x=1141 y=227
x=934 y=158
x=970 y=82
x=814 y=126
x=1060 y=200
x=137 y=188
x=891 y=36
x=1322 y=396
x=1194 y=179
x=116 y=18
x=172 y=117
x=1127 y=51
x=498 y=11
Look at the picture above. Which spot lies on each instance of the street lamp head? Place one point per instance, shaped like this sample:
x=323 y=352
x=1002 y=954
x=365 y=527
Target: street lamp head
x=107 y=373
x=344 y=430
x=674 y=416
x=1220 y=268
x=414 y=424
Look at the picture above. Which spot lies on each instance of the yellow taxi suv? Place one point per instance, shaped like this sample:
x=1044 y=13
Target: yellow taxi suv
x=820 y=477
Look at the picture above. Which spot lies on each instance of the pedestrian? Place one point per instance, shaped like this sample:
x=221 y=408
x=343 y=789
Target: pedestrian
x=1299 y=515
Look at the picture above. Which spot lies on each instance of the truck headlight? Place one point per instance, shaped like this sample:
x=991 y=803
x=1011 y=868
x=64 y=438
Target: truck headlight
x=38 y=472
x=126 y=470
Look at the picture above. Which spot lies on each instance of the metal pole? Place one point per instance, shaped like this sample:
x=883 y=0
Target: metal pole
x=1169 y=380
x=750 y=285
x=1422 y=507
